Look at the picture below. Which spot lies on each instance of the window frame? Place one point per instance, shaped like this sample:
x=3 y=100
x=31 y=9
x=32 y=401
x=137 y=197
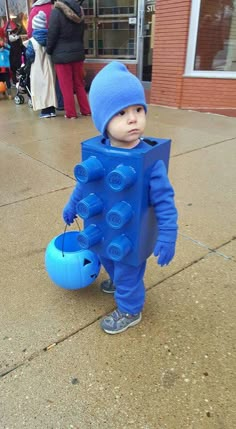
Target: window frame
x=120 y=15
x=191 y=49
x=95 y=19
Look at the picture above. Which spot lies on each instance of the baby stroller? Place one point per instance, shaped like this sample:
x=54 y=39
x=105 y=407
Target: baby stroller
x=23 y=85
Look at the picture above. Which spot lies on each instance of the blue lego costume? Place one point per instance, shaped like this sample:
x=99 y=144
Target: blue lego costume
x=124 y=196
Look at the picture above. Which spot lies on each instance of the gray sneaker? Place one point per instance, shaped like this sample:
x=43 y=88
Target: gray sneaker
x=117 y=322
x=108 y=286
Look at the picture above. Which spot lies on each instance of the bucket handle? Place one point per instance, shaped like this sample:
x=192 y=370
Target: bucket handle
x=63 y=237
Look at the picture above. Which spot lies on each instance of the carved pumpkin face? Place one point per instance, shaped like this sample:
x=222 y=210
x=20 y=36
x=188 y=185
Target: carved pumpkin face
x=67 y=265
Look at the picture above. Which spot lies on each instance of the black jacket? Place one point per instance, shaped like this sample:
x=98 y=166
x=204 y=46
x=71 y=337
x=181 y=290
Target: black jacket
x=65 y=32
x=16 y=51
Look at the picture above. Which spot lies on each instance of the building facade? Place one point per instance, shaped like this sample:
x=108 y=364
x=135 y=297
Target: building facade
x=184 y=51
x=194 y=60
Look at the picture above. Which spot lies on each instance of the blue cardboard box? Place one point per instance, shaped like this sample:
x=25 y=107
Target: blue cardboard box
x=119 y=222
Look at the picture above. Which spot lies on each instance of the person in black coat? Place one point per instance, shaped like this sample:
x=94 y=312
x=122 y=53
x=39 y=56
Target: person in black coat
x=65 y=45
x=17 y=51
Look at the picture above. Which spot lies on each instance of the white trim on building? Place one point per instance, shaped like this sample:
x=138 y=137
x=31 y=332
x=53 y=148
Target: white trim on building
x=191 y=49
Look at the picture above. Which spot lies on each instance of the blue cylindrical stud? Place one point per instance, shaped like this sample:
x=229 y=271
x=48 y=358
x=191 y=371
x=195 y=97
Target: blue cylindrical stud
x=119 y=248
x=88 y=170
x=89 y=206
x=122 y=177
x=89 y=236
x=119 y=215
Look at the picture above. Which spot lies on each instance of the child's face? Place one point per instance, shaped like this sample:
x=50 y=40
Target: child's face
x=125 y=129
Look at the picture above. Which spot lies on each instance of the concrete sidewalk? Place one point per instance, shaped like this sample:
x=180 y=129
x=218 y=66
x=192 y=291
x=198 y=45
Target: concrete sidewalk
x=176 y=369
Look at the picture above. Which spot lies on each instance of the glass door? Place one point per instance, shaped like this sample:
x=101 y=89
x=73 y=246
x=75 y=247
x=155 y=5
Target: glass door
x=146 y=36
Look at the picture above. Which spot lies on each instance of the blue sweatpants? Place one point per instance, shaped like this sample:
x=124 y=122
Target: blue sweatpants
x=130 y=289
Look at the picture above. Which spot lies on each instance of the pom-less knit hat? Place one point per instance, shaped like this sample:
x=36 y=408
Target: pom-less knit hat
x=113 y=89
x=39 y=21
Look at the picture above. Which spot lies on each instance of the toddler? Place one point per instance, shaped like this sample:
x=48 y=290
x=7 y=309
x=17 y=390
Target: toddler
x=119 y=109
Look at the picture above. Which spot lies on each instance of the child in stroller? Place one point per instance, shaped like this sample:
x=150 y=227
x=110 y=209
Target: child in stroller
x=23 y=85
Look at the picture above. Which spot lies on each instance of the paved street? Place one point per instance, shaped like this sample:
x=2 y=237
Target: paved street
x=176 y=369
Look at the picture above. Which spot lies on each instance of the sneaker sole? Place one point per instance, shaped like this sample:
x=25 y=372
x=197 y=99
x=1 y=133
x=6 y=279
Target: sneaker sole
x=109 y=292
x=135 y=322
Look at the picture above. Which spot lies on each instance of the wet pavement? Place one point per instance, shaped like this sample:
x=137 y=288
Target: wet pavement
x=176 y=369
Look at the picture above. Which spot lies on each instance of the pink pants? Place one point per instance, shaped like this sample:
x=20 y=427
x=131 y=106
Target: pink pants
x=71 y=79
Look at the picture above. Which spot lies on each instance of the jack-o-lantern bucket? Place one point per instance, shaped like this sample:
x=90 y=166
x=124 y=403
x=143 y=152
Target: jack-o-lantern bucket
x=2 y=87
x=69 y=266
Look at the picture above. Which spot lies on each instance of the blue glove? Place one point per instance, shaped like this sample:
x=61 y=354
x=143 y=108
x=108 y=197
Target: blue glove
x=165 y=251
x=69 y=213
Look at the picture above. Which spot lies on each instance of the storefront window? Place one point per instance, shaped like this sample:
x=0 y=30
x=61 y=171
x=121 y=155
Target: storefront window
x=18 y=14
x=89 y=7
x=3 y=15
x=216 y=40
x=89 y=38
x=116 y=38
x=118 y=7
x=110 y=30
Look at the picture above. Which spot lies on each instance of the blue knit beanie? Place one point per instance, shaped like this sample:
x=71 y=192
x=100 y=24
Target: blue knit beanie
x=113 y=89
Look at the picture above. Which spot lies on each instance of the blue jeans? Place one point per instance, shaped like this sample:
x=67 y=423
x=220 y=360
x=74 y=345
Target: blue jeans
x=60 y=101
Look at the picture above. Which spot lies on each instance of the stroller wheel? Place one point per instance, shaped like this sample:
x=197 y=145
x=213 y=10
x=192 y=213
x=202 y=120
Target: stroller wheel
x=17 y=100
x=22 y=100
x=30 y=103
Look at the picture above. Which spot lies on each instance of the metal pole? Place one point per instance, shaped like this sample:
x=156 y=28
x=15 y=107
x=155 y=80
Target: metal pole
x=7 y=10
x=28 y=6
x=141 y=9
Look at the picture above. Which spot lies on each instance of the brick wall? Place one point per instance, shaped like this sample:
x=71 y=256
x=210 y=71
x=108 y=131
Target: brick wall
x=169 y=87
x=94 y=68
x=205 y=94
x=91 y=69
x=170 y=43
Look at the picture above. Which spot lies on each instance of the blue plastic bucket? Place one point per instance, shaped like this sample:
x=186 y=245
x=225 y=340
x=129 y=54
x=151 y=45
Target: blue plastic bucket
x=69 y=266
